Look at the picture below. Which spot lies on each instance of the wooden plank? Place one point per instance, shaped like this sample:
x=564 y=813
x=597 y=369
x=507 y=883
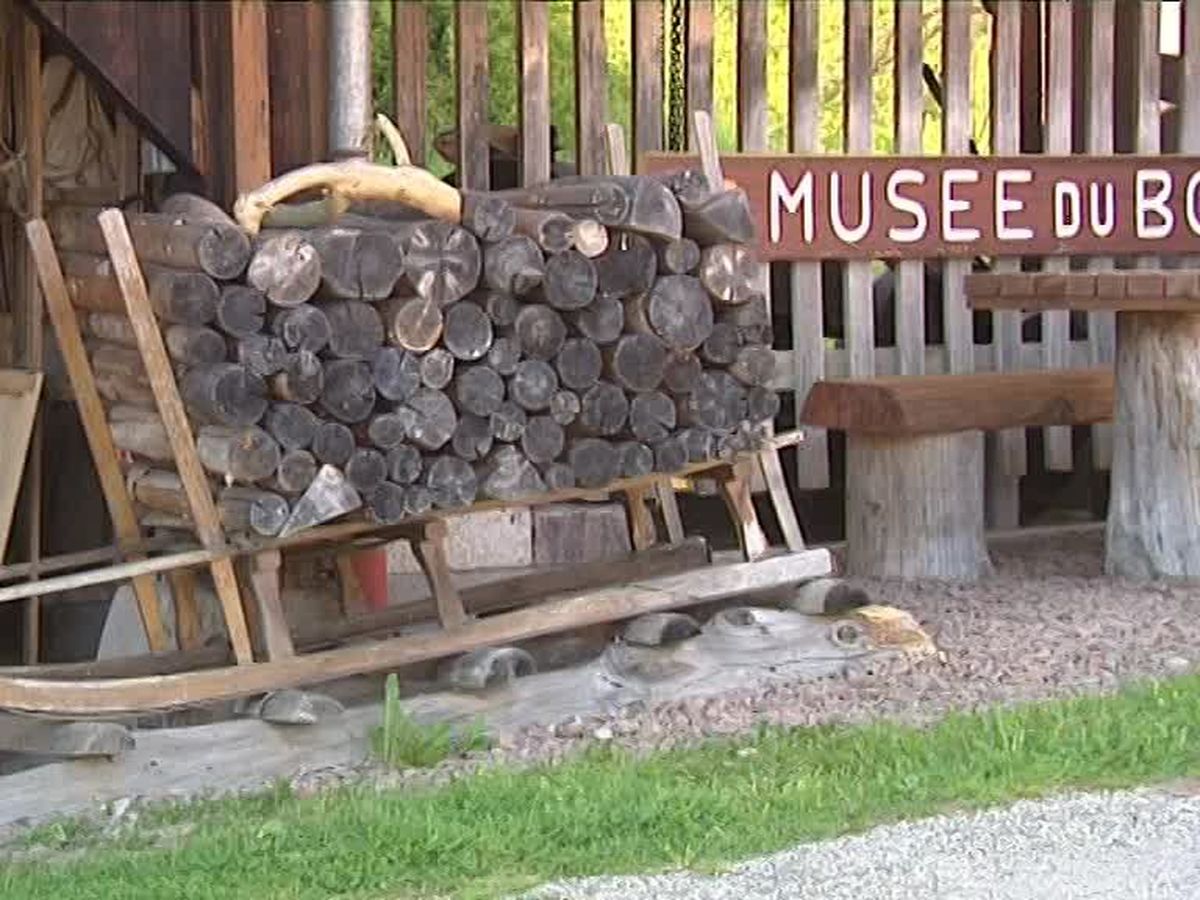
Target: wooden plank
x=20 y=393
x=188 y=634
x=535 y=91
x=648 y=55
x=211 y=27
x=103 y=33
x=710 y=584
x=752 y=75
x=430 y=552
x=591 y=86
x=179 y=431
x=94 y=421
x=858 y=303
x=164 y=69
x=669 y=504
x=471 y=36
x=642 y=532
x=910 y=116
x=410 y=56
x=1031 y=70
x=956 y=140
x=264 y=578
x=807 y=315
x=699 y=61
x=735 y=491
x=941 y=404
x=297 y=92
x=250 y=61
x=781 y=500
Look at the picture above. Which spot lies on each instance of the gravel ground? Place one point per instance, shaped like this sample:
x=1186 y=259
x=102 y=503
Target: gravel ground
x=1138 y=845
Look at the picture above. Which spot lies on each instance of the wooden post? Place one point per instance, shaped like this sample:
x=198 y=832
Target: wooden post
x=735 y=489
x=251 y=90
x=430 y=551
x=264 y=578
x=179 y=430
x=187 y=613
x=410 y=41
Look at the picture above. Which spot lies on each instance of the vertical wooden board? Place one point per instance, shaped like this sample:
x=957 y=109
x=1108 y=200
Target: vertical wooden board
x=535 y=91
x=164 y=61
x=910 y=114
x=410 y=54
x=1099 y=107
x=752 y=75
x=471 y=35
x=1147 y=116
x=1189 y=82
x=211 y=28
x=1006 y=79
x=251 y=85
x=648 y=55
x=317 y=68
x=288 y=87
x=591 y=86
x=1030 y=95
x=859 y=305
x=264 y=576
x=699 y=61
x=808 y=327
x=956 y=139
x=103 y=31
x=20 y=393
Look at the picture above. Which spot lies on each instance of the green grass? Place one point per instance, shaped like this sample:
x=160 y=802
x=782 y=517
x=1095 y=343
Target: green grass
x=400 y=741
x=609 y=813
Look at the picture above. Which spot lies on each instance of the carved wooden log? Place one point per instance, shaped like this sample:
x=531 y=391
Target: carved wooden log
x=487 y=216
x=718 y=402
x=501 y=308
x=601 y=322
x=543 y=439
x=571 y=280
x=472 y=437
x=680 y=257
x=627 y=267
x=532 y=384
x=302 y=327
x=396 y=372
x=552 y=231
x=540 y=331
x=437 y=368
x=442 y=262
x=261 y=354
x=508 y=422
x=579 y=364
x=729 y=272
x=245 y=455
x=302 y=378
x=224 y=394
x=385 y=504
x=721 y=346
x=292 y=425
x=356 y=265
x=595 y=462
x=478 y=390
x=332 y=444
x=221 y=251
x=504 y=355
x=635 y=459
x=513 y=266
x=349 y=391
x=753 y=365
x=558 y=476
x=296 y=471
x=651 y=416
x=508 y=475
x=366 y=469
x=451 y=481
x=435 y=419
x=404 y=464
x=185 y=298
x=603 y=410
x=241 y=310
x=670 y=454
x=565 y=407
x=679 y=312
x=682 y=372
x=355 y=329
x=387 y=430
x=413 y=323
x=467 y=332
x=636 y=362
x=285 y=267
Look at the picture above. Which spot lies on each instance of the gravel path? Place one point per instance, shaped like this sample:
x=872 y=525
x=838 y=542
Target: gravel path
x=1139 y=845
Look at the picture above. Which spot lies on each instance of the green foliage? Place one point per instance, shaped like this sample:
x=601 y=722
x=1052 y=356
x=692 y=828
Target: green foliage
x=401 y=742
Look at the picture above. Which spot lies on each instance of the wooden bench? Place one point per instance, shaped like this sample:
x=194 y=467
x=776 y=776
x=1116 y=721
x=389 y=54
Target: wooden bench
x=914 y=458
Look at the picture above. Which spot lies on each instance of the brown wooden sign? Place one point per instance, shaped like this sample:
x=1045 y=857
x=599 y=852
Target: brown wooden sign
x=836 y=207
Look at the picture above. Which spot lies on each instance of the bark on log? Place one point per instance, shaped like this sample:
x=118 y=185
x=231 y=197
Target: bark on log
x=302 y=378
x=729 y=272
x=478 y=390
x=1154 y=512
x=571 y=280
x=451 y=481
x=636 y=362
x=437 y=368
x=507 y=475
x=188 y=207
x=721 y=346
x=552 y=231
x=385 y=504
x=356 y=265
x=252 y=510
x=504 y=355
x=467 y=332
x=302 y=327
x=532 y=385
x=194 y=345
x=332 y=444
x=296 y=471
x=601 y=322
x=472 y=438
x=292 y=425
x=543 y=439
x=682 y=372
x=540 y=331
x=245 y=455
x=651 y=416
x=413 y=323
x=366 y=469
x=627 y=267
x=286 y=268
x=396 y=372
x=595 y=462
x=184 y=298
x=487 y=216
x=435 y=419
x=513 y=266
x=241 y=310
x=355 y=329
x=679 y=312
x=565 y=407
x=718 y=402
x=349 y=391
x=632 y=202
x=753 y=365
x=224 y=394
x=508 y=422
x=442 y=262
x=404 y=464
x=635 y=459
x=140 y=432
x=579 y=364
x=261 y=354
x=680 y=257
x=603 y=411
x=387 y=430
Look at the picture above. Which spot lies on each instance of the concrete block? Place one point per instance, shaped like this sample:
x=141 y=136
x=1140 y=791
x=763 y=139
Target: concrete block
x=579 y=532
x=491 y=539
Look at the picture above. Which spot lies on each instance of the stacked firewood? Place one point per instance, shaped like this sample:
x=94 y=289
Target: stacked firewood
x=564 y=335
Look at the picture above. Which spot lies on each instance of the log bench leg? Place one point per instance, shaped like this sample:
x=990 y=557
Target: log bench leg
x=430 y=551
x=643 y=533
x=914 y=506
x=1154 y=506
x=735 y=490
x=264 y=576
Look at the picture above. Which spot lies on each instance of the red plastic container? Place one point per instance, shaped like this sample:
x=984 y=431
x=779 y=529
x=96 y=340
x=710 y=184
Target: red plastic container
x=370 y=568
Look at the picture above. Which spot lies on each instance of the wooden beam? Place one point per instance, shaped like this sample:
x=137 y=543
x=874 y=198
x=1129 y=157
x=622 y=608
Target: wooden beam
x=410 y=51
x=471 y=32
x=535 y=91
x=251 y=94
x=591 y=85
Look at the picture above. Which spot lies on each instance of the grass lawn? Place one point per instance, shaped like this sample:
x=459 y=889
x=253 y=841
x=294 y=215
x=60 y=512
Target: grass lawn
x=607 y=813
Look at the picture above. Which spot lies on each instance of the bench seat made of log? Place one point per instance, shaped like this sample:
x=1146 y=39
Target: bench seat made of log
x=914 y=458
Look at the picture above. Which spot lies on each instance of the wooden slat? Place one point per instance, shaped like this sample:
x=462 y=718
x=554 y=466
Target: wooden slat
x=591 y=86
x=941 y=404
x=318 y=77
x=410 y=48
x=648 y=55
x=94 y=421
x=699 y=61
x=535 y=91
x=807 y=315
x=910 y=116
x=179 y=430
x=1147 y=117
x=20 y=394
x=264 y=578
x=752 y=75
x=956 y=139
x=298 y=132
x=164 y=61
x=471 y=33
x=1189 y=82
x=251 y=88
x=859 y=305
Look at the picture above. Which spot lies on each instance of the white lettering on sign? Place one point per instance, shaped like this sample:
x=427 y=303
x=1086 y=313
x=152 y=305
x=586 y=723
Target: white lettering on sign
x=791 y=200
x=1189 y=203
x=840 y=228
x=904 y=204
x=1103 y=216
x=1156 y=203
x=950 y=205
x=1006 y=204
x=1068 y=210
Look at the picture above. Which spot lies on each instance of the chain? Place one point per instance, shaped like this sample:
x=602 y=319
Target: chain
x=677 y=92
